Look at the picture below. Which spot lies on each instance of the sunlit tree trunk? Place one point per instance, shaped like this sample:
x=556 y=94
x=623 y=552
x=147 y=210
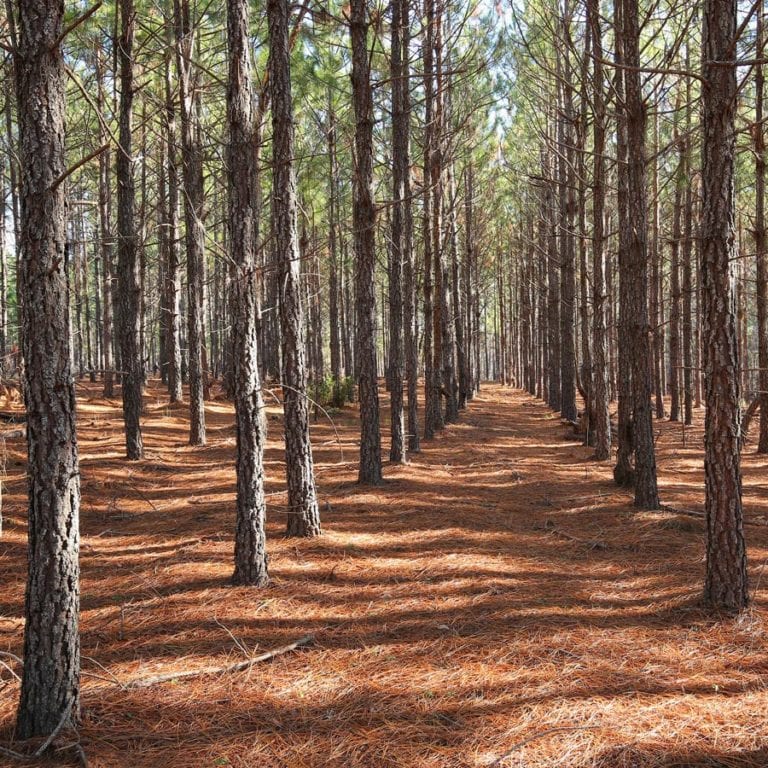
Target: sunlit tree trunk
x=303 y=510
x=250 y=512
x=363 y=223
x=128 y=265
x=50 y=685
x=725 y=586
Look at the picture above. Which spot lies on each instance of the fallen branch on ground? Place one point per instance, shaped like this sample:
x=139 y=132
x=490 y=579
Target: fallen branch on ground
x=146 y=682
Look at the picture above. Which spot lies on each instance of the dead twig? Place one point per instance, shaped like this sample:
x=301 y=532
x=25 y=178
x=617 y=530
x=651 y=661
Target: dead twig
x=559 y=729
x=146 y=682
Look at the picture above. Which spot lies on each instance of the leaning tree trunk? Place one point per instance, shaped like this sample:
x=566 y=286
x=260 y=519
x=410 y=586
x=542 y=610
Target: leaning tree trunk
x=646 y=489
x=725 y=586
x=303 y=511
x=50 y=686
x=250 y=512
x=128 y=266
x=364 y=218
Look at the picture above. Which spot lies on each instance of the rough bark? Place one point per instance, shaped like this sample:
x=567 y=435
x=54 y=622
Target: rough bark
x=105 y=236
x=725 y=586
x=646 y=488
x=400 y=172
x=334 y=290
x=599 y=396
x=192 y=161
x=622 y=471
x=250 y=509
x=172 y=270
x=128 y=263
x=567 y=205
x=761 y=270
x=364 y=220
x=50 y=686
x=303 y=510
x=410 y=331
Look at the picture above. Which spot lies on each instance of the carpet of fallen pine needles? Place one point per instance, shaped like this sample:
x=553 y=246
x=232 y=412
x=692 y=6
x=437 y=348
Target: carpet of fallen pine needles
x=496 y=602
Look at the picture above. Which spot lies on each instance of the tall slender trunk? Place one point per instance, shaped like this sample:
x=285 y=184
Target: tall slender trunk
x=105 y=236
x=622 y=471
x=334 y=292
x=687 y=255
x=657 y=335
x=761 y=271
x=192 y=160
x=400 y=171
x=432 y=409
x=173 y=266
x=567 y=253
x=553 y=295
x=470 y=340
x=410 y=335
x=128 y=266
x=725 y=586
x=50 y=685
x=250 y=509
x=675 y=297
x=599 y=394
x=364 y=220
x=303 y=510
x=646 y=488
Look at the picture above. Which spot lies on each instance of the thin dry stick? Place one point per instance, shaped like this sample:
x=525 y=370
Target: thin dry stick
x=559 y=729
x=146 y=682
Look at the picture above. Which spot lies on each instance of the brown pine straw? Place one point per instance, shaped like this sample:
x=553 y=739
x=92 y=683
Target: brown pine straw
x=496 y=602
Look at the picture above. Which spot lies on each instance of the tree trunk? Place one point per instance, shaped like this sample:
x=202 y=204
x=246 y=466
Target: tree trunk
x=553 y=296
x=761 y=271
x=646 y=490
x=303 y=511
x=363 y=224
x=50 y=686
x=602 y=423
x=400 y=172
x=128 y=266
x=250 y=511
x=173 y=266
x=193 y=215
x=566 y=187
x=105 y=236
x=725 y=586
x=411 y=335
x=622 y=472
x=334 y=291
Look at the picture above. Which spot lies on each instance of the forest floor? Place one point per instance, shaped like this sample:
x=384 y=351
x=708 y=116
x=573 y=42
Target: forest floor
x=498 y=601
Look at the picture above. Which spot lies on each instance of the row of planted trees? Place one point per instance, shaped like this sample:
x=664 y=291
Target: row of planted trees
x=633 y=274
x=280 y=195
x=159 y=224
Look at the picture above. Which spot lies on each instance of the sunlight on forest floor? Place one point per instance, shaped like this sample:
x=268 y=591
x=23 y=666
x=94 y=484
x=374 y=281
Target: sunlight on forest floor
x=497 y=588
